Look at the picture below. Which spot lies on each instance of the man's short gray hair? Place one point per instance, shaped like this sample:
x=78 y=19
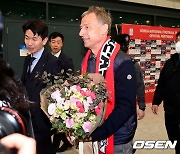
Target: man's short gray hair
x=102 y=15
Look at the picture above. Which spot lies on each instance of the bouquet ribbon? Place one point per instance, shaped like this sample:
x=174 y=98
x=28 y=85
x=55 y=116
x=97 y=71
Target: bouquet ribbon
x=105 y=66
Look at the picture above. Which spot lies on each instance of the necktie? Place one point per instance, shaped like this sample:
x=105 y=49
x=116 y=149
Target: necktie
x=30 y=63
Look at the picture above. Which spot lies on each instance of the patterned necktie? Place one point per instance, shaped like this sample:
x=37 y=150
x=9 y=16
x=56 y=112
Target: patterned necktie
x=30 y=63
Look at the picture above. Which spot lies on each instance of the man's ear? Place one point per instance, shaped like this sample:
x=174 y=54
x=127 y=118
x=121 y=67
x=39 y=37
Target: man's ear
x=104 y=29
x=45 y=41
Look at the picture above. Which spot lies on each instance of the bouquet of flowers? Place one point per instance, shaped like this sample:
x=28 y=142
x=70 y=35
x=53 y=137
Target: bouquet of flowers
x=75 y=106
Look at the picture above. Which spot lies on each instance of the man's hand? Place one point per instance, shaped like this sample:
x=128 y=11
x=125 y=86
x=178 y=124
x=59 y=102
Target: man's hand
x=154 y=109
x=96 y=77
x=23 y=144
x=141 y=114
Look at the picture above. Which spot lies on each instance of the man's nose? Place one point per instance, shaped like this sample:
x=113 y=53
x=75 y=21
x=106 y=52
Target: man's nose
x=30 y=42
x=81 y=32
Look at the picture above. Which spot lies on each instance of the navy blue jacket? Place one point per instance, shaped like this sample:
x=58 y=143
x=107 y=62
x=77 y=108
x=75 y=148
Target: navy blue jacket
x=122 y=122
x=65 y=63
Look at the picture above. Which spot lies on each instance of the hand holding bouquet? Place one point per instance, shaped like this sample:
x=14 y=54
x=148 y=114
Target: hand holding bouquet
x=76 y=106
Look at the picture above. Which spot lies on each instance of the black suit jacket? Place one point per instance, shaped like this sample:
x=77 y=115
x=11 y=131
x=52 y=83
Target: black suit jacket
x=34 y=85
x=65 y=63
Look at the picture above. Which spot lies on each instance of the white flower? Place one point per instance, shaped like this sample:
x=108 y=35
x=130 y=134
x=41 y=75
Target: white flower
x=92 y=118
x=63 y=115
x=60 y=101
x=73 y=106
x=84 y=89
x=66 y=105
x=51 y=108
x=73 y=88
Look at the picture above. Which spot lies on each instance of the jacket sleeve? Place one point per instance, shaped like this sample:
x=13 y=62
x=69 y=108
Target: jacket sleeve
x=69 y=65
x=52 y=65
x=66 y=63
x=125 y=106
x=159 y=92
x=140 y=87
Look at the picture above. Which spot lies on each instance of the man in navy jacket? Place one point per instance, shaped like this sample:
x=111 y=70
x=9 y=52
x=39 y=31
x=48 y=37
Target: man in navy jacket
x=121 y=122
x=36 y=33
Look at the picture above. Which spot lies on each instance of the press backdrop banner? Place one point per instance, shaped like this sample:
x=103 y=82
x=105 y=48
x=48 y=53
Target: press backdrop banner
x=151 y=46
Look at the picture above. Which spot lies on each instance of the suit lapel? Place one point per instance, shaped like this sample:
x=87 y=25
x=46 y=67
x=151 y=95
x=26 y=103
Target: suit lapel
x=38 y=70
x=41 y=64
x=61 y=60
x=26 y=62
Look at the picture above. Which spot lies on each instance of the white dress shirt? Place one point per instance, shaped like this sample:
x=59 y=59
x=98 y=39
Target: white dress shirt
x=37 y=55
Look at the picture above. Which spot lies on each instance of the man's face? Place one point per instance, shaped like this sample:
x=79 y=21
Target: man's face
x=56 y=44
x=34 y=43
x=92 y=32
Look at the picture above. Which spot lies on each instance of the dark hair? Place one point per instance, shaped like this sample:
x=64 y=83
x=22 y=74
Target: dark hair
x=123 y=40
x=11 y=90
x=37 y=27
x=56 y=34
x=177 y=34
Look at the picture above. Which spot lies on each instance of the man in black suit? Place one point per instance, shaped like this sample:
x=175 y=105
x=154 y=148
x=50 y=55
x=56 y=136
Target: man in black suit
x=56 y=41
x=36 y=33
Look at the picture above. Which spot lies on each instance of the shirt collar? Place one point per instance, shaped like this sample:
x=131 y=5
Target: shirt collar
x=57 y=54
x=38 y=54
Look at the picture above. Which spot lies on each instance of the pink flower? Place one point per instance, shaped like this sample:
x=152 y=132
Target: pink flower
x=88 y=92
x=93 y=96
x=73 y=99
x=69 y=123
x=80 y=106
x=78 y=88
x=83 y=93
x=56 y=94
x=98 y=109
x=81 y=109
x=87 y=126
x=51 y=108
x=89 y=100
